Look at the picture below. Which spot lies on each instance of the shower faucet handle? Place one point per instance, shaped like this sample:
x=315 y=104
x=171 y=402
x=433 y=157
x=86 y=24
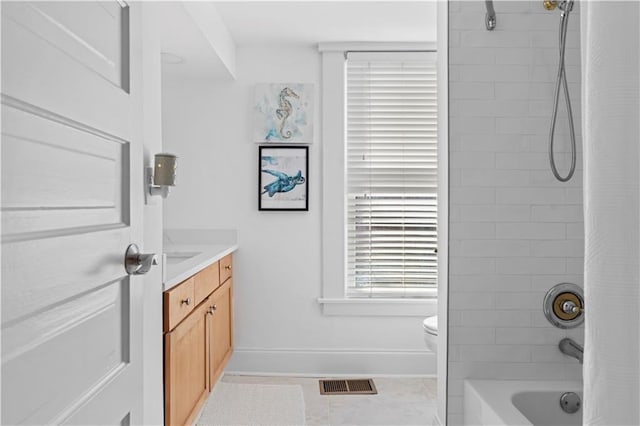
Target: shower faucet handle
x=569 y=307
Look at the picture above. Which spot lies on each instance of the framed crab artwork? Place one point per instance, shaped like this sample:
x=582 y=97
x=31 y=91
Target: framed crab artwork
x=283 y=178
x=283 y=113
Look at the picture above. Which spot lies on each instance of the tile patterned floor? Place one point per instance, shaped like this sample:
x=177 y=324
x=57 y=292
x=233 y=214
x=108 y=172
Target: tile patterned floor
x=400 y=401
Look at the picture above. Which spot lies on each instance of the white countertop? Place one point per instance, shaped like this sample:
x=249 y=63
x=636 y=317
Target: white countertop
x=185 y=260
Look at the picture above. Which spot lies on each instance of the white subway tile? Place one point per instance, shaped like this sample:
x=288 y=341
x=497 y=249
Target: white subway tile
x=470 y=90
x=558 y=248
x=522 y=161
x=530 y=231
x=534 y=336
x=484 y=38
x=495 y=213
x=466 y=20
x=473 y=125
x=494 y=353
x=472 y=56
x=548 y=353
x=472 y=300
x=496 y=178
x=513 y=56
x=506 y=370
x=556 y=213
x=575 y=265
x=494 y=248
x=575 y=231
x=545 y=178
x=531 y=265
x=472 y=160
x=530 y=195
x=472 y=335
x=497 y=318
x=463 y=195
x=521 y=125
x=491 y=283
x=544 y=283
x=505 y=205
x=472 y=265
x=574 y=195
x=525 y=91
x=514 y=7
x=518 y=300
x=486 y=73
x=490 y=142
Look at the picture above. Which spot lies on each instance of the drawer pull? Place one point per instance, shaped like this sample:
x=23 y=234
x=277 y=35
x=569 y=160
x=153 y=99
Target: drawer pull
x=210 y=311
x=227 y=267
x=186 y=301
x=214 y=307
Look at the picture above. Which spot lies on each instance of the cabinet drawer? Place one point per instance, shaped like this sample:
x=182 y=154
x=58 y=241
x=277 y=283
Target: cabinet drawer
x=206 y=281
x=178 y=302
x=225 y=268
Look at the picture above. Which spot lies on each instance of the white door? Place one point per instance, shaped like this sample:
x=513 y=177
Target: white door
x=71 y=204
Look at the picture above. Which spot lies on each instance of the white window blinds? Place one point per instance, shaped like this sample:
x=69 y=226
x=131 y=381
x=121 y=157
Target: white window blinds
x=391 y=175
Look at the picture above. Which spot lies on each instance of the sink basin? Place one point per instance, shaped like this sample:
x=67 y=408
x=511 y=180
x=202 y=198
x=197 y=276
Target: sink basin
x=178 y=257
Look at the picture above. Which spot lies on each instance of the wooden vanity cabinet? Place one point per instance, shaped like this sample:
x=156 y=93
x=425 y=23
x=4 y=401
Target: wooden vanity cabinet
x=198 y=339
x=220 y=331
x=186 y=366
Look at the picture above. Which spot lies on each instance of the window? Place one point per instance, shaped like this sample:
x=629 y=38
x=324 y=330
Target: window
x=391 y=175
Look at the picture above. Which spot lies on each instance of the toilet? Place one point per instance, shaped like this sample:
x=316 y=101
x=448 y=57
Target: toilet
x=430 y=326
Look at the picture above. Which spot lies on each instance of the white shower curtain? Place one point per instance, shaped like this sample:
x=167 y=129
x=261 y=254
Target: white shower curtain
x=611 y=134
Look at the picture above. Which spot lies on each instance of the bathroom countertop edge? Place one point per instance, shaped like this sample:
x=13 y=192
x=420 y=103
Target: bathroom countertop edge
x=208 y=254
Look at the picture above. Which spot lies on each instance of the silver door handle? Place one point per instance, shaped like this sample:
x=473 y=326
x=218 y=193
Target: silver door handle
x=136 y=263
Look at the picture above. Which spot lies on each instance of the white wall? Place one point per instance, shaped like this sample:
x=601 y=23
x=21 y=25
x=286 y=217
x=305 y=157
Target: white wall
x=279 y=326
x=514 y=231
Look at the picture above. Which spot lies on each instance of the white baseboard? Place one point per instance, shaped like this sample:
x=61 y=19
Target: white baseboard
x=332 y=362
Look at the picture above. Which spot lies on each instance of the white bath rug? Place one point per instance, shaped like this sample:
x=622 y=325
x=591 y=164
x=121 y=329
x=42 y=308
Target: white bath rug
x=248 y=404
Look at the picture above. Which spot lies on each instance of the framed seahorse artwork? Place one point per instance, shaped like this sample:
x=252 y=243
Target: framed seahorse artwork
x=283 y=113
x=283 y=177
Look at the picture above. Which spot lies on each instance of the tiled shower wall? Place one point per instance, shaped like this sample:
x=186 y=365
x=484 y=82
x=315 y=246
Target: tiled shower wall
x=514 y=230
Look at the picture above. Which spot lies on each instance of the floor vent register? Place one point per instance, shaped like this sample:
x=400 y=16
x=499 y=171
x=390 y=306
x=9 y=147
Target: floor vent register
x=348 y=387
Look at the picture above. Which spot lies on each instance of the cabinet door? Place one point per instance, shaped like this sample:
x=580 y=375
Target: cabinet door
x=225 y=268
x=186 y=367
x=221 y=336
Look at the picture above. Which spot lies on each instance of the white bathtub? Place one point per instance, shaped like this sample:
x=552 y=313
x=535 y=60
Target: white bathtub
x=518 y=402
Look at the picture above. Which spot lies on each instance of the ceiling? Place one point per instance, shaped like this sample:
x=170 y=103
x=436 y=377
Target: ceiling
x=311 y=22
x=289 y=23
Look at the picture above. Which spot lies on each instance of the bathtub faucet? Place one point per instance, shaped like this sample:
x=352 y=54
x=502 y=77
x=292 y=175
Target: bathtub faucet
x=569 y=347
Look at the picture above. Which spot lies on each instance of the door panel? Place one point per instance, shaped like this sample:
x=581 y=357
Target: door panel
x=38 y=347
x=43 y=71
x=71 y=204
x=50 y=153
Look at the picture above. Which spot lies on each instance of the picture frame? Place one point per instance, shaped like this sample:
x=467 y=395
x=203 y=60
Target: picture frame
x=283 y=113
x=283 y=178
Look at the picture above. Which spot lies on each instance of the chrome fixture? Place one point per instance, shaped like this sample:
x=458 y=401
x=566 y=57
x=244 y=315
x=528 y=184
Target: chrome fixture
x=569 y=347
x=562 y=5
x=490 y=16
x=563 y=305
x=570 y=402
x=162 y=175
x=561 y=80
x=136 y=263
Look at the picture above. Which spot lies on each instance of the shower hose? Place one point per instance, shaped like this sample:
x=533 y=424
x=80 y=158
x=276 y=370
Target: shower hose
x=562 y=81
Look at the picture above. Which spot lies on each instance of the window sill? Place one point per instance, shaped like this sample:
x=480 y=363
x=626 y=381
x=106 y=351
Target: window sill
x=379 y=307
